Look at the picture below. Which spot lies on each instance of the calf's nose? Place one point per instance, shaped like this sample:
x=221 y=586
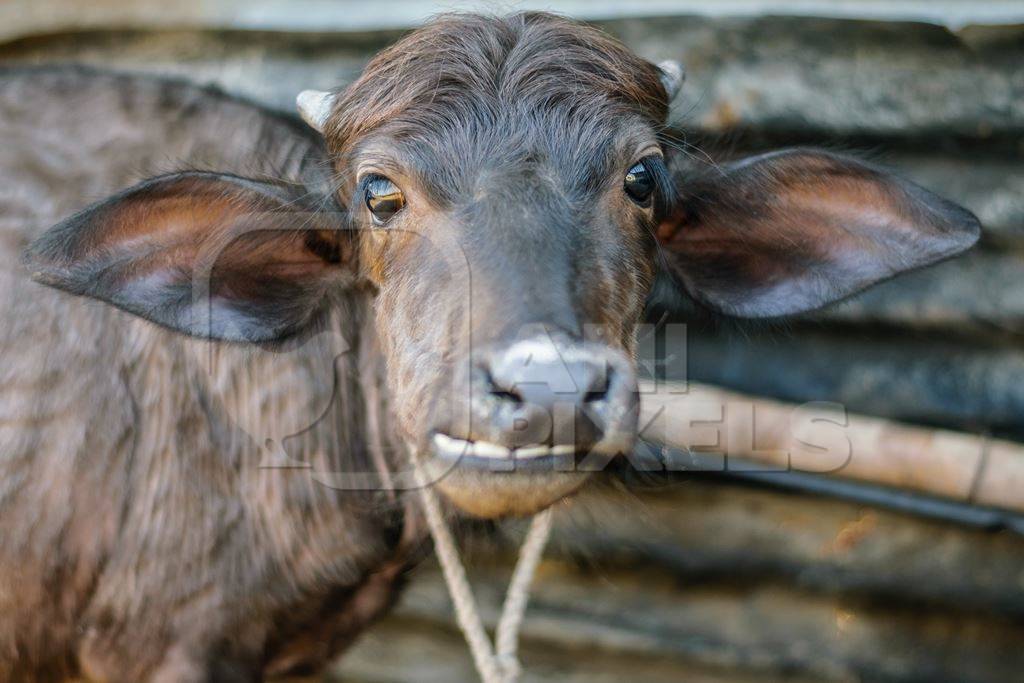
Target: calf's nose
x=555 y=392
x=535 y=373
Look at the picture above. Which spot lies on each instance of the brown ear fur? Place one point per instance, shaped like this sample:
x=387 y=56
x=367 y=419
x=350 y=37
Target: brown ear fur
x=793 y=230
x=210 y=255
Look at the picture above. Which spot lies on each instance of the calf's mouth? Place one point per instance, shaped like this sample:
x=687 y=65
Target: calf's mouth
x=493 y=457
x=583 y=397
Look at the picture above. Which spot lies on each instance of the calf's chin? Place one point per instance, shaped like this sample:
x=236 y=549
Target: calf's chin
x=502 y=494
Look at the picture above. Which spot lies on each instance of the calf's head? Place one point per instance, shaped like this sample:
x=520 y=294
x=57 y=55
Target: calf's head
x=501 y=191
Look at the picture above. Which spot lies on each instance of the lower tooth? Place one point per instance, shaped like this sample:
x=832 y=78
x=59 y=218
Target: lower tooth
x=532 y=452
x=563 y=450
x=452 y=447
x=489 y=450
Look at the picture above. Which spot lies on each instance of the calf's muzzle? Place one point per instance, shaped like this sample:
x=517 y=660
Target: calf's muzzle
x=546 y=401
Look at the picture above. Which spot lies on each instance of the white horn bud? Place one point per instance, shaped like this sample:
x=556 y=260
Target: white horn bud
x=672 y=76
x=315 y=107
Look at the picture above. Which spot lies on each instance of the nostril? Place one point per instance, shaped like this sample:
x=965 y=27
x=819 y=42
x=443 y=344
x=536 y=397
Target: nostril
x=599 y=384
x=509 y=396
x=499 y=390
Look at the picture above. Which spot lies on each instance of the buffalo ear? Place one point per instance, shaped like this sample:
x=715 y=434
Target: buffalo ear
x=210 y=255
x=791 y=231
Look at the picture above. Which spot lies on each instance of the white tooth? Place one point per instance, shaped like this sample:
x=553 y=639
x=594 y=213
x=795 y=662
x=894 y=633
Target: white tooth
x=484 y=449
x=449 y=446
x=533 y=452
x=563 y=450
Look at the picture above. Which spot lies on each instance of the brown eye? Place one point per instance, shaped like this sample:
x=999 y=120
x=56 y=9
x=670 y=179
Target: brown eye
x=639 y=184
x=383 y=198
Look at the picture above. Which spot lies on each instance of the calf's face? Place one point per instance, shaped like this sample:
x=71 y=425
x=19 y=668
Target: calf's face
x=509 y=283
x=505 y=194
x=502 y=190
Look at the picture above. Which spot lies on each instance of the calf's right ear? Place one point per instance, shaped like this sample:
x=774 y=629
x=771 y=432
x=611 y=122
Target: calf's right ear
x=793 y=230
x=211 y=255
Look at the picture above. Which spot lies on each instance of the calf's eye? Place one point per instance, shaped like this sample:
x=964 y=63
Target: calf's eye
x=383 y=198
x=639 y=184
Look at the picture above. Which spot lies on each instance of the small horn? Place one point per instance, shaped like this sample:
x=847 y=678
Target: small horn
x=315 y=107
x=672 y=76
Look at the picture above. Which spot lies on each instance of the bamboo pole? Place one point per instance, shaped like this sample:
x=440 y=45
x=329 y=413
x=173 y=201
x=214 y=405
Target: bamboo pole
x=824 y=438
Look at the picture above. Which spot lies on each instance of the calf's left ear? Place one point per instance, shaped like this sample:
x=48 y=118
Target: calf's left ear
x=211 y=255
x=791 y=231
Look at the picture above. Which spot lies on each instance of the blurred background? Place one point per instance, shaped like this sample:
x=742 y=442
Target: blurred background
x=741 y=576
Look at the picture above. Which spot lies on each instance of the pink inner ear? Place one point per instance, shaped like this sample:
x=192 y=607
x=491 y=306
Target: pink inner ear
x=789 y=231
x=250 y=235
x=264 y=259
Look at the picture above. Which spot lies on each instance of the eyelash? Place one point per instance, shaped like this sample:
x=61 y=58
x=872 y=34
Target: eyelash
x=663 y=195
x=389 y=204
x=638 y=184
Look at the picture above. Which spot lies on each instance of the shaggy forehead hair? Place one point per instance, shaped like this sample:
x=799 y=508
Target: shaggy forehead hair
x=472 y=88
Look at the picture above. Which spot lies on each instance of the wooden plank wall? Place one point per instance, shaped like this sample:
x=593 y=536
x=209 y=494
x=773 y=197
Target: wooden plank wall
x=701 y=578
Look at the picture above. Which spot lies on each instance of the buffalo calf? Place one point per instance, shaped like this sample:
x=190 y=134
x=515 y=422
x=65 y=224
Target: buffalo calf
x=208 y=411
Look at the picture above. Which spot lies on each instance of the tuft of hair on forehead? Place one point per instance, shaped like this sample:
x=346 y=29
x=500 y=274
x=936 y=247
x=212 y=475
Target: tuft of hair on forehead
x=462 y=67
